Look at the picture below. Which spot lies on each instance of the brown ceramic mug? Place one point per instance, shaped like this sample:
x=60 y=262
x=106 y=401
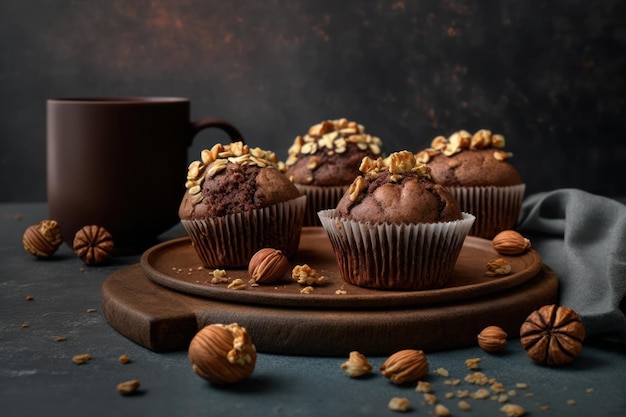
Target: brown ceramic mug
x=120 y=163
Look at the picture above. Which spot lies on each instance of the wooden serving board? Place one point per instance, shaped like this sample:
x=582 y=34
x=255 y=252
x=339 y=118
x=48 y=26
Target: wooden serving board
x=161 y=306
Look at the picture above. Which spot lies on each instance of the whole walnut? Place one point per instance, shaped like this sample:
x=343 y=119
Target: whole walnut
x=553 y=335
x=93 y=244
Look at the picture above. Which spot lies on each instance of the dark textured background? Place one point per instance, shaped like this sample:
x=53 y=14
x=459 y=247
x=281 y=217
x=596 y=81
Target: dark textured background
x=549 y=75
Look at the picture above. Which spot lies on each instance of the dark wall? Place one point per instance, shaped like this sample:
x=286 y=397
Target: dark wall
x=549 y=75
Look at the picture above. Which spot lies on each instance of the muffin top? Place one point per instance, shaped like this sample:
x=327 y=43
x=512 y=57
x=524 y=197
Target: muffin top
x=330 y=153
x=397 y=189
x=232 y=179
x=470 y=160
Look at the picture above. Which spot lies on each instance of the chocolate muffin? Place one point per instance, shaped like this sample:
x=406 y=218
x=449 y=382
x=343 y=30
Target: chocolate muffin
x=323 y=163
x=476 y=170
x=395 y=228
x=237 y=202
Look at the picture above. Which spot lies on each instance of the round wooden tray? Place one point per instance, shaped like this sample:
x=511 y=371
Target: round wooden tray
x=174 y=264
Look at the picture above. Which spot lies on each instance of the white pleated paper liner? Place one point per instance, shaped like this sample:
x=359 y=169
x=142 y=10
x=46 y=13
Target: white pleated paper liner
x=496 y=208
x=392 y=256
x=230 y=241
x=320 y=198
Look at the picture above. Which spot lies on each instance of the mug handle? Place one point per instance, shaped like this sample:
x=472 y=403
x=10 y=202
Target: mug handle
x=222 y=124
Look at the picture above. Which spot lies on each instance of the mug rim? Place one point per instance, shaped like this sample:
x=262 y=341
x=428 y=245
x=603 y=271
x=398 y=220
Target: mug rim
x=119 y=100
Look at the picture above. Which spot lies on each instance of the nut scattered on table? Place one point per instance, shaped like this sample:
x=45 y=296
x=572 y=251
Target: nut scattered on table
x=399 y=404
x=510 y=242
x=82 y=358
x=356 y=365
x=128 y=387
x=222 y=354
x=492 y=339
x=93 y=244
x=498 y=266
x=305 y=275
x=268 y=265
x=405 y=366
x=513 y=410
x=43 y=239
x=553 y=335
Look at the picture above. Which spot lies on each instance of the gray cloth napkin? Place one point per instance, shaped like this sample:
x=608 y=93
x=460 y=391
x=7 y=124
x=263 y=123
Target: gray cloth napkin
x=582 y=237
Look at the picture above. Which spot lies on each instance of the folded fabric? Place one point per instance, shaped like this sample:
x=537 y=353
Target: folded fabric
x=582 y=237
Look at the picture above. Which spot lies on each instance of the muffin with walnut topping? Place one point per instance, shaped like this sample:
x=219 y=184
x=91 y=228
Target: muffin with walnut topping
x=237 y=202
x=395 y=228
x=476 y=170
x=323 y=163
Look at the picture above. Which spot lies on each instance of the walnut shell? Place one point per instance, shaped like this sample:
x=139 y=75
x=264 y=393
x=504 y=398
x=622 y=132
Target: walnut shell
x=222 y=354
x=510 y=242
x=492 y=339
x=43 y=239
x=405 y=366
x=553 y=335
x=268 y=265
x=93 y=244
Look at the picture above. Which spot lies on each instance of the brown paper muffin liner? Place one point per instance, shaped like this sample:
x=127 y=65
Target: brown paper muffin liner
x=392 y=256
x=320 y=198
x=230 y=241
x=496 y=208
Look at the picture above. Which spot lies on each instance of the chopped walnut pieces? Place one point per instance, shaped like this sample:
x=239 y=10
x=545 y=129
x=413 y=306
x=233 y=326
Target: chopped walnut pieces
x=453 y=382
x=356 y=365
x=307 y=290
x=124 y=359
x=441 y=410
x=480 y=394
x=463 y=140
x=80 y=359
x=442 y=372
x=399 y=404
x=498 y=266
x=472 y=363
x=463 y=393
x=512 y=410
x=477 y=378
x=498 y=387
x=502 y=398
x=219 y=276
x=423 y=386
x=215 y=160
x=464 y=405
x=521 y=385
x=128 y=387
x=305 y=275
x=430 y=398
x=237 y=284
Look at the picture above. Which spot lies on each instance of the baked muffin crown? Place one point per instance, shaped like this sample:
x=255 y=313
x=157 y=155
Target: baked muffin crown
x=333 y=137
x=216 y=159
x=466 y=160
x=329 y=153
x=397 y=189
